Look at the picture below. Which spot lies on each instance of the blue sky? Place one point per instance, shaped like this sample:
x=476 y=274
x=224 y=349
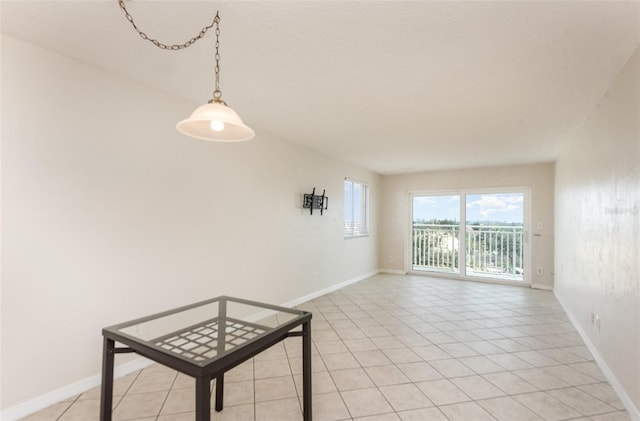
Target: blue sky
x=498 y=207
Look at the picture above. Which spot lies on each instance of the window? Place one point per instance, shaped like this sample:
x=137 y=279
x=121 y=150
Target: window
x=356 y=208
x=472 y=233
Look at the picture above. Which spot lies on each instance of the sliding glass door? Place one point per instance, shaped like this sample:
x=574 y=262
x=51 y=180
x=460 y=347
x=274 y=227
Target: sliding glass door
x=494 y=235
x=470 y=234
x=436 y=233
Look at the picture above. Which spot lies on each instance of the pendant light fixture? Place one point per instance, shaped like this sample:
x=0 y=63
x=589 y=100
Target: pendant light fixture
x=214 y=120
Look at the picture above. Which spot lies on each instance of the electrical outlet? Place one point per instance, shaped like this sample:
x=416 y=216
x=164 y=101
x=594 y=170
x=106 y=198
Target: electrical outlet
x=390 y=259
x=539 y=270
x=597 y=321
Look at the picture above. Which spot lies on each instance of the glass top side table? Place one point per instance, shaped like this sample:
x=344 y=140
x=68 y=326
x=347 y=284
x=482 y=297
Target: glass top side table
x=204 y=340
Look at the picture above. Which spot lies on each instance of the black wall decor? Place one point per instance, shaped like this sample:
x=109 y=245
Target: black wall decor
x=313 y=201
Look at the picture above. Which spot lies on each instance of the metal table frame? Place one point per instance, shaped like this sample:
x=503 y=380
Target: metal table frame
x=213 y=368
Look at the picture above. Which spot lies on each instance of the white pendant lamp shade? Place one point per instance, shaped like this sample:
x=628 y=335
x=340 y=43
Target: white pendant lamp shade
x=216 y=122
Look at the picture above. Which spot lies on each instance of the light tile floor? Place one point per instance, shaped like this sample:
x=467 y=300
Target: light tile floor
x=397 y=348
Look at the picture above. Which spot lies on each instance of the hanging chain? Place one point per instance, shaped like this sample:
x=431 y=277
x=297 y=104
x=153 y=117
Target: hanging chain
x=182 y=46
x=216 y=93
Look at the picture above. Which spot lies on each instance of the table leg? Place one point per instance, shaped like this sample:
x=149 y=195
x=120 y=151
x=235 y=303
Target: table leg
x=203 y=399
x=106 y=398
x=219 y=391
x=306 y=370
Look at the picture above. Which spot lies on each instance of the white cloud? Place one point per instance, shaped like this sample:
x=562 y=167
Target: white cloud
x=491 y=204
x=424 y=200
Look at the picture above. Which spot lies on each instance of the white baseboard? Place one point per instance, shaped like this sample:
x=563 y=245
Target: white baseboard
x=633 y=412
x=393 y=271
x=327 y=290
x=267 y=313
x=65 y=392
x=40 y=402
x=542 y=286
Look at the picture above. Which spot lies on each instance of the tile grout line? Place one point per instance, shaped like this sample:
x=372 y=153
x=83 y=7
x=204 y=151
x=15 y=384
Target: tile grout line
x=164 y=401
x=68 y=407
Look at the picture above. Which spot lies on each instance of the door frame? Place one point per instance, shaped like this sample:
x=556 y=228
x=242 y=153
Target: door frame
x=526 y=237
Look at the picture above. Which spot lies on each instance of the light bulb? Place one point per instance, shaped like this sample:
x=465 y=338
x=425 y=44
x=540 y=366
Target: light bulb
x=217 y=125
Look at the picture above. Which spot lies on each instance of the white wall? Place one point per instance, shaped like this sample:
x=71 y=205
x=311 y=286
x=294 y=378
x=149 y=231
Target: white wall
x=394 y=220
x=108 y=213
x=597 y=229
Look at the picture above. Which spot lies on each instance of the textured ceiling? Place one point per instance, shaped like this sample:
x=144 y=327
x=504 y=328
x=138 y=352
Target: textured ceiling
x=392 y=86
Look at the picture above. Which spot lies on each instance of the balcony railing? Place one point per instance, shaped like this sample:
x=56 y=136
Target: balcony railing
x=494 y=251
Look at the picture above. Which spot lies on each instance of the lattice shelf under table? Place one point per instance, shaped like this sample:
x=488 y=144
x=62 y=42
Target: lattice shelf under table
x=202 y=342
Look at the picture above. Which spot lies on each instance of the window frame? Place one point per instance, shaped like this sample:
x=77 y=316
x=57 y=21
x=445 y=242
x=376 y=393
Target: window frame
x=365 y=202
x=463 y=193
